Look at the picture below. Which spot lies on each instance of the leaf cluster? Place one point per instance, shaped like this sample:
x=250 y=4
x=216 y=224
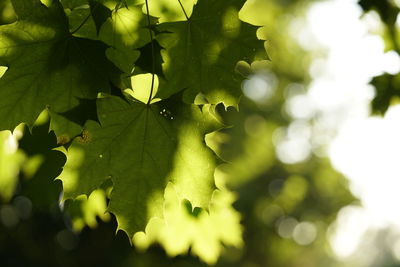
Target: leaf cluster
x=387 y=85
x=131 y=87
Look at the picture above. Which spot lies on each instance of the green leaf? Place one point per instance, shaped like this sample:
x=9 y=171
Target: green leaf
x=125 y=31
x=204 y=232
x=141 y=148
x=387 y=89
x=47 y=66
x=165 y=10
x=144 y=65
x=70 y=123
x=72 y=4
x=386 y=9
x=11 y=160
x=42 y=166
x=169 y=11
x=86 y=17
x=85 y=210
x=86 y=110
x=81 y=23
x=201 y=53
x=100 y=13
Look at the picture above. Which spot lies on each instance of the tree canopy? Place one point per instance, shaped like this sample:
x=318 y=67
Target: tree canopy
x=128 y=117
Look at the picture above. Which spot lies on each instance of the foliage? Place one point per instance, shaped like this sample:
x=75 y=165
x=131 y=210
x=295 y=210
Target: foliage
x=137 y=97
x=387 y=85
x=71 y=57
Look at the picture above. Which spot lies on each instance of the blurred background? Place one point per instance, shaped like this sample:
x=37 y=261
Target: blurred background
x=312 y=159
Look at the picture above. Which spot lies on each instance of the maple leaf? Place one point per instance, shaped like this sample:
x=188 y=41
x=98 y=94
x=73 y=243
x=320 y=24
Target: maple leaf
x=141 y=148
x=168 y=11
x=72 y=4
x=47 y=66
x=81 y=22
x=84 y=211
x=43 y=164
x=183 y=227
x=207 y=47
x=144 y=65
x=386 y=90
x=125 y=31
x=86 y=17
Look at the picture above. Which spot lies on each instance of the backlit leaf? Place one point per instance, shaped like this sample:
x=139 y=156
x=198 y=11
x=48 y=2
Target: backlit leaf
x=201 y=53
x=47 y=66
x=141 y=148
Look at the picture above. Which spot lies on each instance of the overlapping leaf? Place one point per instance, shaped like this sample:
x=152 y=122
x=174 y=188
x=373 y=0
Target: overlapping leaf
x=47 y=66
x=183 y=228
x=125 y=31
x=169 y=11
x=201 y=53
x=81 y=21
x=141 y=148
x=84 y=211
x=61 y=55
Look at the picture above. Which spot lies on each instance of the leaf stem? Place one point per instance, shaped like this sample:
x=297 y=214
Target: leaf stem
x=152 y=54
x=85 y=20
x=83 y=23
x=183 y=9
